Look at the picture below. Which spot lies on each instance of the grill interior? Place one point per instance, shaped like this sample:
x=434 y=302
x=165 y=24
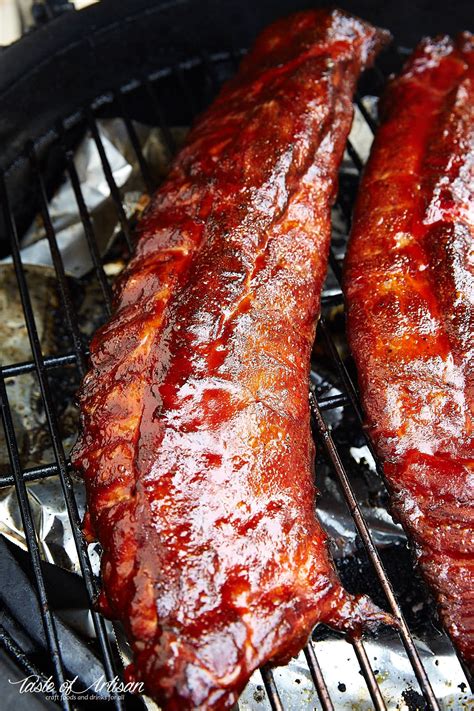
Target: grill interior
x=169 y=97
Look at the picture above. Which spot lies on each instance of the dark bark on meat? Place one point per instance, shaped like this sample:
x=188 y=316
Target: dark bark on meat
x=196 y=447
x=409 y=286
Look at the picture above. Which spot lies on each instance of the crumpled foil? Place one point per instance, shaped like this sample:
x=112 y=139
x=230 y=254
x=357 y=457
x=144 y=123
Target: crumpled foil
x=336 y=656
x=63 y=208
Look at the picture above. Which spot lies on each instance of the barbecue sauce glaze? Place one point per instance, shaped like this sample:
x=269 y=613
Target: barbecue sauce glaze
x=409 y=286
x=196 y=447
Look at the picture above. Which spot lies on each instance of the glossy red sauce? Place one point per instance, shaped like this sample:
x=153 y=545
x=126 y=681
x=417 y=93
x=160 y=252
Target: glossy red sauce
x=409 y=285
x=196 y=447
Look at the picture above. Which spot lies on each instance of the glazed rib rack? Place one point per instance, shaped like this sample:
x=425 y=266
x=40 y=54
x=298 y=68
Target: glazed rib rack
x=196 y=81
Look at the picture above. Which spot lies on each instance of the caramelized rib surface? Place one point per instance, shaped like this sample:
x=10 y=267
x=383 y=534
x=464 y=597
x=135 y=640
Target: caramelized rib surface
x=196 y=447
x=409 y=285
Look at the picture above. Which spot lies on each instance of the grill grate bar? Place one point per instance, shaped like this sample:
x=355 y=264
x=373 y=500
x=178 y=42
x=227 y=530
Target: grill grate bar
x=355 y=157
x=32 y=474
x=271 y=689
x=114 y=191
x=332 y=299
x=209 y=68
x=65 y=295
x=87 y=224
x=366 y=115
x=71 y=505
x=369 y=676
x=31 y=540
x=186 y=91
x=46 y=470
x=349 y=388
x=317 y=677
x=371 y=549
x=346 y=212
x=331 y=402
x=28 y=366
x=335 y=266
x=137 y=149
x=160 y=119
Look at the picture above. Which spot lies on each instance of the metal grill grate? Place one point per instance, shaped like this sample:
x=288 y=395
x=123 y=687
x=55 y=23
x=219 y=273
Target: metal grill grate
x=211 y=71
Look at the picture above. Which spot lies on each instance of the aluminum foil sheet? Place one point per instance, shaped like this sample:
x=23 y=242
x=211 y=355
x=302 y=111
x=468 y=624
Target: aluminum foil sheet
x=335 y=655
